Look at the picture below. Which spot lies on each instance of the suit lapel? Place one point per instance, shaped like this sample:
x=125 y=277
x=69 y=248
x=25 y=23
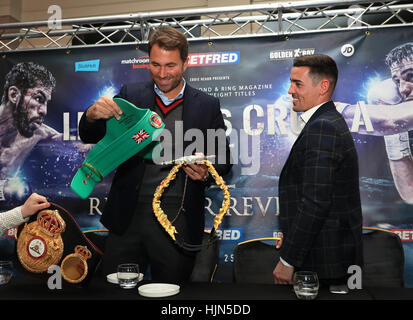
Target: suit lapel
x=148 y=97
x=190 y=108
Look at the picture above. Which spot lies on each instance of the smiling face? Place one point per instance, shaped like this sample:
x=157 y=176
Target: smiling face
x=31 y=109
x=166 y=69
x=402 y=75
x=304 y=92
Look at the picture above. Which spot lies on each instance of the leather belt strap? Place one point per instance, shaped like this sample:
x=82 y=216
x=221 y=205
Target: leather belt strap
x=133 y=134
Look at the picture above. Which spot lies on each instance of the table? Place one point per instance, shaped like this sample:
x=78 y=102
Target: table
x=195 y=300
x=27 y=287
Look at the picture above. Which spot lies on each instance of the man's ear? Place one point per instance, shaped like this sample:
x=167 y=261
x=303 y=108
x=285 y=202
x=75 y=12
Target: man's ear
x=325 y=86
x=14 y=94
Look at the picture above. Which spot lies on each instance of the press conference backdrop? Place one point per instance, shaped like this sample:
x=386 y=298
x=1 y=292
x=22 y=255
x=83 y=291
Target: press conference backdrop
x=251 y=79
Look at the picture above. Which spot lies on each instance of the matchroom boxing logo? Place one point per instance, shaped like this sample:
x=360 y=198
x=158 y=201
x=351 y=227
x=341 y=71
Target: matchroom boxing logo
x=194 y=59
x=137 y=63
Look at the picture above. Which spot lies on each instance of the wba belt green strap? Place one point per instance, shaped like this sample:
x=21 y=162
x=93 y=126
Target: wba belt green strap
x=134 y=133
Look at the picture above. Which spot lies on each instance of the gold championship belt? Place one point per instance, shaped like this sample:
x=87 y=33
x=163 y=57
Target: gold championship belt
x=53 y=237
x=163 y=218
x=40 y=244
x=74 y=266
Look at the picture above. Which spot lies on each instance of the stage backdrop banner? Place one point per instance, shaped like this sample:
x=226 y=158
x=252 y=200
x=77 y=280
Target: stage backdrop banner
x=251 y=79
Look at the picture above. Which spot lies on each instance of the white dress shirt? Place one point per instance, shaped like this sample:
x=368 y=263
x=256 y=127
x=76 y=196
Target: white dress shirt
x=166 y=101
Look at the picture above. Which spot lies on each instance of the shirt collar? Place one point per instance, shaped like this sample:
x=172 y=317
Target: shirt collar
x=166 y=101
x=305 y=116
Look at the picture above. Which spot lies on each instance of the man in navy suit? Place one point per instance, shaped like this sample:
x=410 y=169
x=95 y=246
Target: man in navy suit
x=320 y=211
x=134 y=233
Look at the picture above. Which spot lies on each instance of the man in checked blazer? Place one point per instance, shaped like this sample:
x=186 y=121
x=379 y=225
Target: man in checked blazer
x=320 y=211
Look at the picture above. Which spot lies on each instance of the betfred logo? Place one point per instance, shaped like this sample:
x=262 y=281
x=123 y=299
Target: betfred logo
x=213 y=58
x=234 y=234
x=230 y=234
x=406 y=235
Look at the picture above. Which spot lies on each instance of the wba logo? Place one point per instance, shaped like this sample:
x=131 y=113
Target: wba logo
x=140 y=136
x=290 y=53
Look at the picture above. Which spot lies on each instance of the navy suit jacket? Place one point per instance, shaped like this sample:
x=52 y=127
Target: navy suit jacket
x=200 y=111
x=320 y=211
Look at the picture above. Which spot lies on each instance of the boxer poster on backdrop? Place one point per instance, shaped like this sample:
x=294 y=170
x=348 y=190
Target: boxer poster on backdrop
x=251 y=78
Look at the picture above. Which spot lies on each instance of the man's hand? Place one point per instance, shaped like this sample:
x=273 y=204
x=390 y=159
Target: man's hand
x=196 y=171
x=104 y=108
x=283 y=274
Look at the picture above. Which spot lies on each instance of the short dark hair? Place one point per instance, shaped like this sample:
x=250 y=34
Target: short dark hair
x=26 y=75
x=398 y=54
x=169 y=38
x=321 y=66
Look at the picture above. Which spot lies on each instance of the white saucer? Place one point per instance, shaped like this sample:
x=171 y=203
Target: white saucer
x=113 y=277
x=157 y=290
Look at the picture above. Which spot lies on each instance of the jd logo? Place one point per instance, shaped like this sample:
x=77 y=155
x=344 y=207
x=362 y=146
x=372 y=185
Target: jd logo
x=347 y=50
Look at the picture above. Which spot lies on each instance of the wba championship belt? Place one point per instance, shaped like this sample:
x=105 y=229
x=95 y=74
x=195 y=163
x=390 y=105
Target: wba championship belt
x=53 y=237
x=163 y=218
x=134 y=133
x=74 y=266
x=40 y=244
